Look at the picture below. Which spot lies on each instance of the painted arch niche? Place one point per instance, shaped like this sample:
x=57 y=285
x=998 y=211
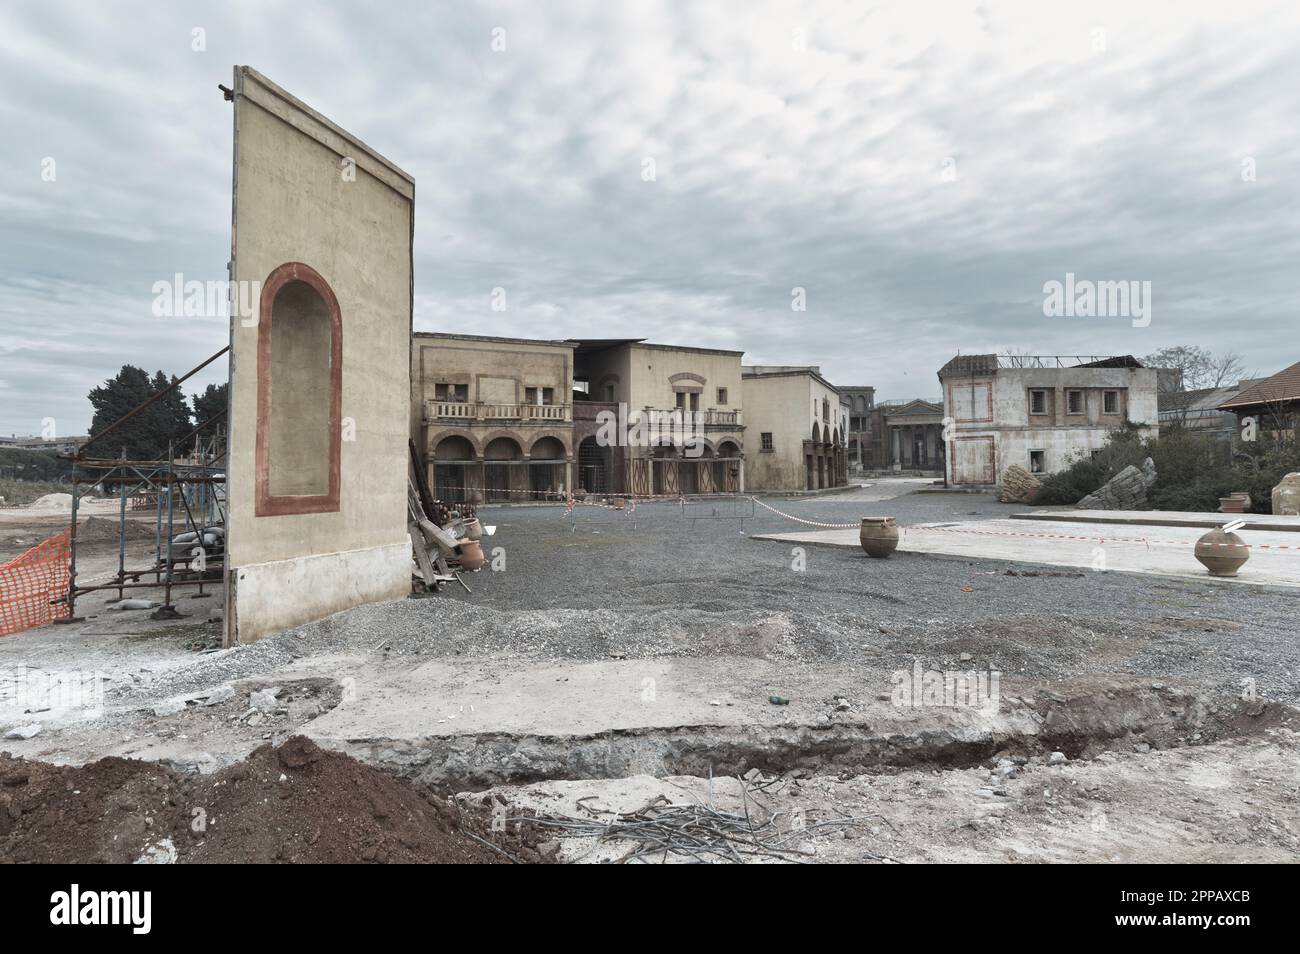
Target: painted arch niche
x=299 y=393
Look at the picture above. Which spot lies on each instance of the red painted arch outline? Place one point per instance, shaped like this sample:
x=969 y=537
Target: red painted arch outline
x=268 y=505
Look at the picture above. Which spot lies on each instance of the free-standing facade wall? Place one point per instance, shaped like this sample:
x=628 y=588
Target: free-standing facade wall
x=320 y=389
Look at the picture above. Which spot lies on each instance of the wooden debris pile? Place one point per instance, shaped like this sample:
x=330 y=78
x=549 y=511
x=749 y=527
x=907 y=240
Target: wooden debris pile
x=444 y=536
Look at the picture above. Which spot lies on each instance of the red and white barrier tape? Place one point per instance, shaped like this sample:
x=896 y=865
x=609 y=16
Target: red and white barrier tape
x=555 y=496
x=1143 y=540
x=570 y=502
x=811 y=523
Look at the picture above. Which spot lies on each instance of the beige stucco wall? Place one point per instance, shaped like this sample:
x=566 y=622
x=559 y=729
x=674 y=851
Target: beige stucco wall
x=293 y=204
x=779 y=405
x=496 y=371
x=649 y=371
x=819 y=392
x=786 y=405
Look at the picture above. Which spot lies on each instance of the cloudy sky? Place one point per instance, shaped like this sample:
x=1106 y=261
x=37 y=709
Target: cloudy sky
x=920 y=169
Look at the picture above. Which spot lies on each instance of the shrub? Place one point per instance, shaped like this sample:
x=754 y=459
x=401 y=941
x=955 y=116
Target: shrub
x=1071 y=485
x=19 y=493
x=1258 y=467
x=1088 y=473
x=1200 y=495
x=1192 y=471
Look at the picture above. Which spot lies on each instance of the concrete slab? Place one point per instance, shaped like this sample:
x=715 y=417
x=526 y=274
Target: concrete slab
x=1166 y=518
x=454 y=698
x=476 y=723
x=1158 y=550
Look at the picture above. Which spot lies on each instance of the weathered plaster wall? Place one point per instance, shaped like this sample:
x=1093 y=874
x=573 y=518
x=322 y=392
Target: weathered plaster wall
x=651 y=368
x=818 y=393
x=295 y=202
x=789 y=404
x=496 y=371
x=780 y=405
x=997 y=407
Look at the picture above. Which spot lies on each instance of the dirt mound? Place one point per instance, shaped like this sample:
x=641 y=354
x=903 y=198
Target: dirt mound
x=104 y=812
x=292 y=803
x=299 y=803
x=102 y=530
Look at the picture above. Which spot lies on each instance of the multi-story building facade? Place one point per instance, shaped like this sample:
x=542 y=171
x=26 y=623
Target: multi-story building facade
x=796 y=430
x=510 y=419
x=677 y=419
x=493 y=417
x=858 y=441
x=1039 y=412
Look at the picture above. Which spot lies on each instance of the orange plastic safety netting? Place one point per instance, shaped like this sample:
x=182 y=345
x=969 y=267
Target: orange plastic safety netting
x=30 y=582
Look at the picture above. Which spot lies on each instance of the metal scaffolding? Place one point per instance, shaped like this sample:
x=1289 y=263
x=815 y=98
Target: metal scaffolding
x=188 y=499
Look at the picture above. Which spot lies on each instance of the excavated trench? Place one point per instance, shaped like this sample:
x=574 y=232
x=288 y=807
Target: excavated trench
x=1081 y=722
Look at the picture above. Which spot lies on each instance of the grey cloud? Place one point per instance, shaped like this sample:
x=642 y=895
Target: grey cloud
x=775 y=170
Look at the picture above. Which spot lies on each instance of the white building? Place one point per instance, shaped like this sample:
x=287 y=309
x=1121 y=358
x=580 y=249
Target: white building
x=1042 y=413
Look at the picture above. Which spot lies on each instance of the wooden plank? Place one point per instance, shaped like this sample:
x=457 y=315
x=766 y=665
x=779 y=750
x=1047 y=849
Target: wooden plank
x=421 y=481
x=420 y=548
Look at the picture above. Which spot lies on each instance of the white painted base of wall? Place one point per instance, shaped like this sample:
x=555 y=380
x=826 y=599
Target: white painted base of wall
x=271 y=597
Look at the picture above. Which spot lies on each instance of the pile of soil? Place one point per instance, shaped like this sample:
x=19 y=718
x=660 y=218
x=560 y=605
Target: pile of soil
x=291 y=803
x=104 y=530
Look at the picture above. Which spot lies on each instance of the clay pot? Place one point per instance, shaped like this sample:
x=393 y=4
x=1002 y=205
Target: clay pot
x=879 y=536
x=473 y=529
x=1234 y=503
x=471 y=555
x=1222 y=553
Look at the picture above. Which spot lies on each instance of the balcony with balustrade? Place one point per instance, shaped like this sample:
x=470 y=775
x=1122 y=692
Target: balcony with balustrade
x=711 y=419
x=466 y=413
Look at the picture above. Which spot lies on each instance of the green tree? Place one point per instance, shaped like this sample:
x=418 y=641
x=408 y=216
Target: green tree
x=112 y=400
x=145 y=435
x=211 y=406
x=172 y=413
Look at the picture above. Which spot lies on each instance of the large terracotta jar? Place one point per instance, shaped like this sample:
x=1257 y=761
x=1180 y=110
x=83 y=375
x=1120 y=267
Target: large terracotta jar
x=471 y=555
x=1222 y=553
x=879 y=536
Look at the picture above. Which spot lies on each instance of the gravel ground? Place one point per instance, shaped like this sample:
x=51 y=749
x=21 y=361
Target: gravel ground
x=603 y=583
